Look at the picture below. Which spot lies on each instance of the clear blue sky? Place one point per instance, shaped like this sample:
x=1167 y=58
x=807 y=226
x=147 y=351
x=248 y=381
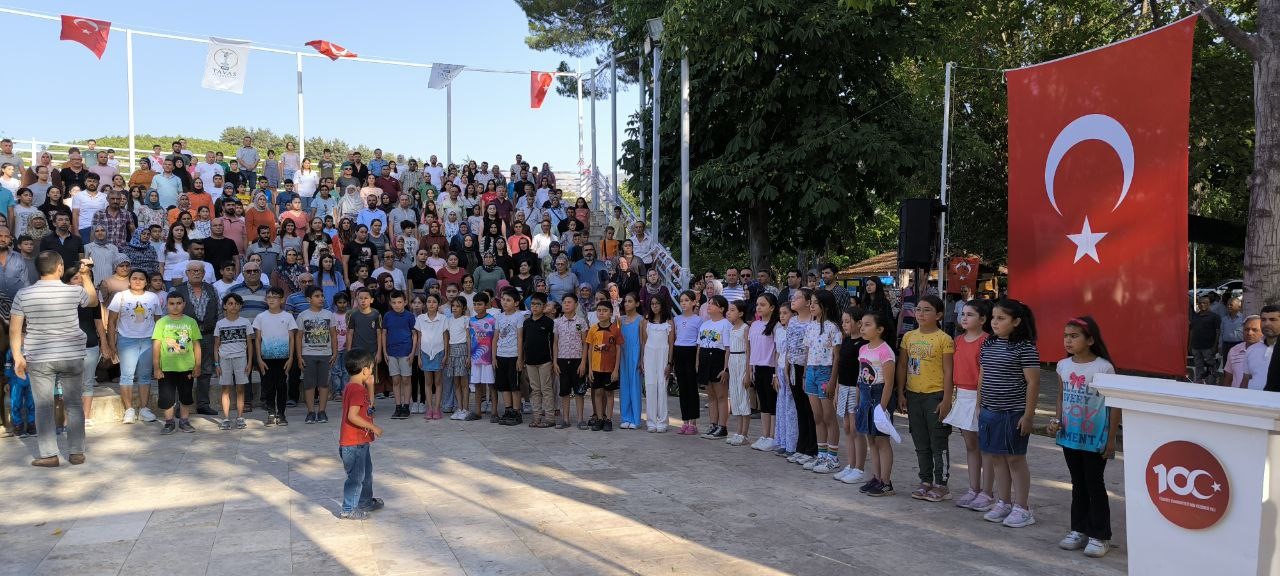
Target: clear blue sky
x=361 y=103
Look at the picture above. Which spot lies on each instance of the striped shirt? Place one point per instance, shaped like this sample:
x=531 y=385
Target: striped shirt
x=52 y=311
x=1004 y=386
x=255 y=301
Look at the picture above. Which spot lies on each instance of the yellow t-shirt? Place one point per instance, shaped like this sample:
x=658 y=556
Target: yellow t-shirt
x=924 y=359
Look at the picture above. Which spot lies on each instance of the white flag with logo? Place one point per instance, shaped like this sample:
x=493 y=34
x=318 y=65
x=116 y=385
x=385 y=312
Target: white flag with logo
x=225 y=65
x=443 y=74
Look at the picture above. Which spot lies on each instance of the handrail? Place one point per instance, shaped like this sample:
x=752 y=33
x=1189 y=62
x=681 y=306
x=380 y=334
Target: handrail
x=669 y=269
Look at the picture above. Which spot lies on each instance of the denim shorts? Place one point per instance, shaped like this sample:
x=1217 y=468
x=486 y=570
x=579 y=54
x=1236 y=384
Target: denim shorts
x=812 y=376
x=869 y=396
x=430 y=363
x=998 y=433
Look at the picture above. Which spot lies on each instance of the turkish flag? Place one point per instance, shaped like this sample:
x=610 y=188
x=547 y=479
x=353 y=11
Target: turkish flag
x=961 y=272
x=539 y=82
x=1098 y=195
x=87 y=31
x=333 y=51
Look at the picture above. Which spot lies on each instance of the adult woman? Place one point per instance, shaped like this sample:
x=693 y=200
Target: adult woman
x=38 y=227
x=259 y=214
x=434 y=237
x=131 y=320
x=382 y=295
x=329 y=278
x=491 y=238
x=875 y=298
x=469 y=256
x=526 y=255
x=370 y=188
x=54 y=205
x=518 y=231
x=289 y=166
x=305 y=180
x=561 y=281
x=378 y=236
x=141 y=254
x=653 y=288
x=582 y=213
x=285 y=276
x=523 y=280
x=629 y=254
x=452 y=272
x=313 y=239
x=501 y=258
x=180 y=170
x=118 y=182
x=287 y=237
x=184 y=205
x=174 y=267
x=150 y=212
x=101 y=252
x=143 y=175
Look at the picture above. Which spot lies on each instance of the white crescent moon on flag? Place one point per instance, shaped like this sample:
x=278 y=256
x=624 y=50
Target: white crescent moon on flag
x=1090 y=127
x=91 y=23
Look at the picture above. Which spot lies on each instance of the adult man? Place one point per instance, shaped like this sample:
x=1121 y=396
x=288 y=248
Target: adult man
x=764 y=279
x=198 y=253
x=115 y=219
x=516 y=168
x=556 y=208
x=32 y=175
x=837 y=289
x=8 y=157
x=264 y=246
x=177 y=152
x=436 y=172
x=358 y=168
x=794 y=282
x=403 y=211
x=590 y=271
x=541 y=244
x=1232 y=331
x=1205 y=325
x=1234 y=368
x=201 y=303
x=52 y=349
x=233 y=225
x=62 y=241
x=733 y=290
x=389 y=185
x=247 y=157
x=645 y=246
x=167 y=185
x=377 y=163
x=85 y=204
x=13 y=277
x=348 y=178
x=104 y=171
x=412 y=180
x=205 y=171
x=371 y=213
x=1260 y=372
x=450 y=201
x=74 y=172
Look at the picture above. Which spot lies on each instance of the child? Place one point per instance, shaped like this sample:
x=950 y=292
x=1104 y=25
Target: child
x=365 y=330
x=764 y=363
x=962 y=412
x=21 y=401
x=924 y=376
x=273 y=337
x=358 y=431
x=317 y=352
x=629 y=381
x=684 y=360
x=481 y=330
x=847 y=397
x=506 y=353
x=713 y=363
x=604 y=340
x=338 y=372
x=397 y=335
x=175 y=354
x=822 y=339
x=785 y=426
x=431 y=338
x=537 y=340
x=231 y=337
x=875 y=363
x=659 y=337
x=1086 y=430
x=737 y=390
x=570 y=329
x=1010 y=386
x=457 y=360
x=806 y=451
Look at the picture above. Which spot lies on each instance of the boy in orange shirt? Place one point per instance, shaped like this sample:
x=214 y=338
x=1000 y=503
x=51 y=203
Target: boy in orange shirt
x=604 y=340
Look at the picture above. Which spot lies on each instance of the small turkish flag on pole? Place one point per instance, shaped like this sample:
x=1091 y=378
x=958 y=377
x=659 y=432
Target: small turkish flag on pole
x=87 y=31
x=539 y=82
x=1098 y=195
x=333 y=51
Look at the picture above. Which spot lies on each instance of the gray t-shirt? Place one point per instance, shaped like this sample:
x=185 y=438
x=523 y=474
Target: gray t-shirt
x=52 y=311
x=316 y=332
x=248 y=158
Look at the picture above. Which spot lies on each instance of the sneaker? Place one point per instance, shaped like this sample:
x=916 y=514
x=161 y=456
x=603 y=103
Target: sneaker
x=921 y=490
x=470 y=416
x=240 y=424
x=484 y=406
x=169 y=428
x=999 y=512
x=806 y=459
x=374 y=504
x=458 y=415
x=826 y=466
x=882 y=489
x=812 y=462
x=735 y=440
x=967 y=499
x=854 y=476
x=711 y=432
x=981 y=503
x=224 y=425
x=526 y=407
x=310 y=419
x=1019 y=517
x=660 y=430
x=130 y=416
x=380 y=396
x=494 y=418
x=290 y=403
x=756 y=445
x=281 y=420
x=597 y=425
x=625 y=426
x=608 y=424
x=1097 y=548
x=722 y=432
x=1073 y=541
x=782 y=452
x=793 y=457
x=147 y=415
x=185 y=426
x=872 y=483
x=355 y=515
x=583 y=425
x=687 y=430
x=322 y=418
x=840 y=475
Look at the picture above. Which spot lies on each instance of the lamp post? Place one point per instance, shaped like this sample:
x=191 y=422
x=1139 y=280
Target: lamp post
x=654 y=28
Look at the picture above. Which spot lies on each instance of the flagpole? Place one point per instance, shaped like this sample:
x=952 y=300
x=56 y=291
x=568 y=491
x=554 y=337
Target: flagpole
x=448 y=123
x=595 y=190
x=128 y=54
x=640 y=133
x=657 y=137
x=302 y=138
x=580 y=139
x=942 y=193
x=686 y=184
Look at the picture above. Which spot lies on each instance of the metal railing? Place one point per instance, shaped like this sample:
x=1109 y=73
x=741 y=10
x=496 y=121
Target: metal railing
x=668 y=268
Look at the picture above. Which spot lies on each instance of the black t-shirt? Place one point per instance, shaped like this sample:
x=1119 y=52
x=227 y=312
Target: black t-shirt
x=326 y=168
x=72 y=178
x=418 y=277
x=1204 y=330
x=358 y=253
x=537 y=339
x=849 y=348
x=217 y=251
x=87 y=317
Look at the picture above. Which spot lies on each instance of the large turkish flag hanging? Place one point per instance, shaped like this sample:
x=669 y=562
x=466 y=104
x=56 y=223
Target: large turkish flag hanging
x=1098 y=195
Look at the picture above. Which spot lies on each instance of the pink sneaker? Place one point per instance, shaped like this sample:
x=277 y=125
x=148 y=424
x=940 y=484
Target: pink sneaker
x=687 y=430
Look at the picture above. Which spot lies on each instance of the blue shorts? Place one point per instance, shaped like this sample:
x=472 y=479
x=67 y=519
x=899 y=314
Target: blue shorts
x=998 y=433
x=430 y=363
x=864 y=416
x=812 y=376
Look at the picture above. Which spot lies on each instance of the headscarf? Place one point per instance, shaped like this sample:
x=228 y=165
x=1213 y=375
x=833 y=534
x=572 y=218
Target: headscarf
x=149 y=203
x=37 y=233
x=104 y=242
x=289 y=272
x=140 y=253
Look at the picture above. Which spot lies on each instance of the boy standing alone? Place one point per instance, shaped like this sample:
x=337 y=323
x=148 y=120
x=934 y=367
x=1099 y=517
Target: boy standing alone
x=358 y=432
x=176 y=357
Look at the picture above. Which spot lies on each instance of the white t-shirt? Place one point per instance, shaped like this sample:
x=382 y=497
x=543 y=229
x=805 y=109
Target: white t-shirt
x=233 y=337
x=306 y=183
x=506 y=332
x=437 y=175
x=458 y=328
x=206 y=172
x=275 y=330
x=138 y=313
x=431 y=339
x=714 y=334
x=1257 y=362
x=88 y=205
x=397 y=276
x=820 y=344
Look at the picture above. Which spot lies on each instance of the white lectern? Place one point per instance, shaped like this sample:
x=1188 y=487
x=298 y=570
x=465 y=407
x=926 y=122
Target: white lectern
x=1201 y=476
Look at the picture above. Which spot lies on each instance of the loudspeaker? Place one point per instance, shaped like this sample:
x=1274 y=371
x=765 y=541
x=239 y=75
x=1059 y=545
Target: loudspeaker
x=917 y=229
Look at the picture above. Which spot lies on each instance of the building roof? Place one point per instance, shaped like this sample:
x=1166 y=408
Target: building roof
x=882 y=264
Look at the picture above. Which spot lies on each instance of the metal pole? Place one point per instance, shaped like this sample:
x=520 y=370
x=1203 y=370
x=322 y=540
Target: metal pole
x=685 y=192
x=595 y=190
x=640 y=132
x=128 y=54
x=942 y=193
x=580 y=139
x=448 y=123
x=613 y=126
x=657 y=139
x=1195 y=279
x=302 y=124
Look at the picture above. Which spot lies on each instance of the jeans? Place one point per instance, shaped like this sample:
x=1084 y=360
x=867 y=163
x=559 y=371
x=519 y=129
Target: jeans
x=1090 y=512
x=91 y=358
x=1203 y=364
x=338 y=373
x=135 y=361
x=43 y=375
x=250 y=177
x=22 y=406
x=357 y=490
x=930 y=436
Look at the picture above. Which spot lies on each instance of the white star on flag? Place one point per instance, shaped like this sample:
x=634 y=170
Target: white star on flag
x=1087 y=242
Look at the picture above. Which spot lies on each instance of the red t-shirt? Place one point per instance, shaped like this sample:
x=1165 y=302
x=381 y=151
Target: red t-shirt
x=965 y=368
x=352 y=435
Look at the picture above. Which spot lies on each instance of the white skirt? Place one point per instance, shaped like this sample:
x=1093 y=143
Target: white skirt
x=964 y=410
x=739 y=397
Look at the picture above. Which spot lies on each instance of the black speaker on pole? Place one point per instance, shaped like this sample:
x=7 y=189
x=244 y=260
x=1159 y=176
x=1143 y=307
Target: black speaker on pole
x=917 y=230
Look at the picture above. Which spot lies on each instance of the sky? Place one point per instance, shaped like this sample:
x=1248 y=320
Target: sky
x=362 y=103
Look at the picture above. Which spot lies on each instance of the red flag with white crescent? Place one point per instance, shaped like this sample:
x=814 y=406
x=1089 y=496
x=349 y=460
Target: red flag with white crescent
x=961 y=272
x=539 y=82
x=93 y=34
x=333 y=51
x=1098 y=195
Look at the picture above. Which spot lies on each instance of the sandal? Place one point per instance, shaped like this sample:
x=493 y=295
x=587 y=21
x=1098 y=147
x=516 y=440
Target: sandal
x=920 y=492
x=544 y=424
x=535 y=423
x=937 y=494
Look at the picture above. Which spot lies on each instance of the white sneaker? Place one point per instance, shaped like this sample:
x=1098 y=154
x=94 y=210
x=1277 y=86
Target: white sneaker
x=854 y=476
x=458 y=415
x=484 y=407
x=1073 y=541
x=826 y=466
x=812 y=463
x=794 y=457
x=768 y=445
x=146 y=415
x=1019 y=517
x=1097 y=548
x=804 y=459
x=736 y=440
x=756 y=445
x=839 y=475
x=130 y=416
x=998 y=512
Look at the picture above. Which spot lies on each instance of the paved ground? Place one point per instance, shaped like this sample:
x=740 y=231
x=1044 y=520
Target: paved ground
x=477 y=498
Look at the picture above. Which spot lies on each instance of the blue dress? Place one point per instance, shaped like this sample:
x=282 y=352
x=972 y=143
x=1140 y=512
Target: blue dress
x=630 y=403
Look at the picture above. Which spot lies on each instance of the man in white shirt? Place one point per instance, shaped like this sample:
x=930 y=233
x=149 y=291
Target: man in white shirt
x=207 y=170
x=1234 y=366
x=86 y=204
x=247 y=157
x=1258 y=358
x=541 y=244
x=518 y=166
x=645 y=246
x=436 y=171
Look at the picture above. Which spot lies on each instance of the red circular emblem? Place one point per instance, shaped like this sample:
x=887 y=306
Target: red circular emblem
x=1188 y=485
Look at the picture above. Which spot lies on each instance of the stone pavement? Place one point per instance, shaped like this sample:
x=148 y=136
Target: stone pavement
x=477 y=498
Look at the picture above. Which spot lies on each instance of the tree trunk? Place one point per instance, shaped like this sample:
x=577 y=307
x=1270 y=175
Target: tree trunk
x=758 y=236
x=1262 y=245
